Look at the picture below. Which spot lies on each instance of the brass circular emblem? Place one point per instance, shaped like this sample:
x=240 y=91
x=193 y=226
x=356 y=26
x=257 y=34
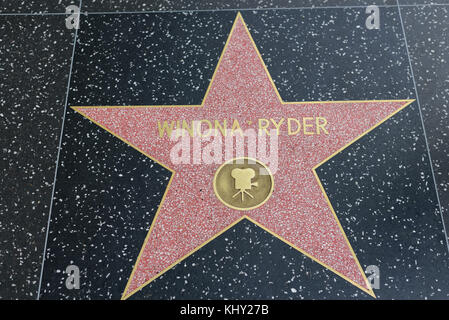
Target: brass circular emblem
x=243 y=183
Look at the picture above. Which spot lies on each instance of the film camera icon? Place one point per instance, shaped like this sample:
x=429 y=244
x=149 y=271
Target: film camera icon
x=250 y=178
x=242 y=181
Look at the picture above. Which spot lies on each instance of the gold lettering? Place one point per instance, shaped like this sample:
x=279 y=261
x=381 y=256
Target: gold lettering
x=306 y=125
x=277 y=125
x=200 y=127
x=321 y=125
x=185 y=126
x=263 y=127
x=164 y=127
x=236 y=127
x=221 y=128
x=289 y=125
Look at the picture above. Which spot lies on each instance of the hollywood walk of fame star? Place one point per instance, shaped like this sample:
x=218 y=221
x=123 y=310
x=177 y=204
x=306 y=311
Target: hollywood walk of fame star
x=298 y=211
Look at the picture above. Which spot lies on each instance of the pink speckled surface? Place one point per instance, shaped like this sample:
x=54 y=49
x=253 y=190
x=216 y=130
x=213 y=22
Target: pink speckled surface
x=297 y=211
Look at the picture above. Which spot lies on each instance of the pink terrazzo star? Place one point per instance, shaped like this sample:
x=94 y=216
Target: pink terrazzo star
x=298 y=212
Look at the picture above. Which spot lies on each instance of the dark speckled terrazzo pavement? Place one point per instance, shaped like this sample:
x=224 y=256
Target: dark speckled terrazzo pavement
x=35 y=63
x=148 y=5
x=107 y=193
x=429 y=58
